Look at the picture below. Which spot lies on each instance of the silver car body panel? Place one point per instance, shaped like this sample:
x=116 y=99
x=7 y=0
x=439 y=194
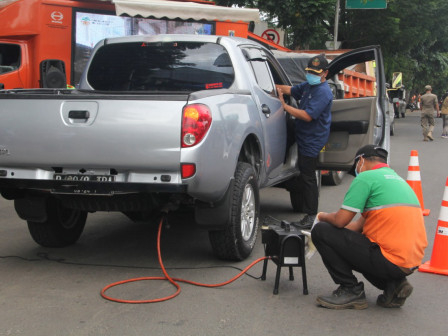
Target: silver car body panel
x=137 y=136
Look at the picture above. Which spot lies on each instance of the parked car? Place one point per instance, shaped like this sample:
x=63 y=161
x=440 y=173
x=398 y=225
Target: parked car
x=390 y=112
x=168 y=121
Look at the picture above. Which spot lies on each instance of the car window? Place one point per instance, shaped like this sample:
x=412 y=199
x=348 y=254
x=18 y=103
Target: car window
x=359 y=80
x=260 y=68
x=278 y=74
x=9 y=57
x=161 y=66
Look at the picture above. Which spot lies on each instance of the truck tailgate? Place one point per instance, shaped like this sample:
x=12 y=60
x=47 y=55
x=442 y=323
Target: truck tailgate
x=97 y=133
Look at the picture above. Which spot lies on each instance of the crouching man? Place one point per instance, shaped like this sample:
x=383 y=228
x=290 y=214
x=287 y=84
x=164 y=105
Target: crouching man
x=386 y=243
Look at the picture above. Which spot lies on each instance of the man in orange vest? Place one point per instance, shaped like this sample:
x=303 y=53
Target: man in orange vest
x=386 y=243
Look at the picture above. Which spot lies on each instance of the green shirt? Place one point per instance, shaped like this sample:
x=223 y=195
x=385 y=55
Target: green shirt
x=377 y=188
x=392 y=213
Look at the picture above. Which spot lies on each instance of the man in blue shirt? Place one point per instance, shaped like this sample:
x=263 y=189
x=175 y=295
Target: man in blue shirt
x=312 y=128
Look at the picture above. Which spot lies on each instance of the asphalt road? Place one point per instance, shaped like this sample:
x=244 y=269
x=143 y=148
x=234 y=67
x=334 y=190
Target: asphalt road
x=56 y=291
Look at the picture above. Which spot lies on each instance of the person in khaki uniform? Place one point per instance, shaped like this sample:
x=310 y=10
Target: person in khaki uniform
x=445 y=116
x=428 y=105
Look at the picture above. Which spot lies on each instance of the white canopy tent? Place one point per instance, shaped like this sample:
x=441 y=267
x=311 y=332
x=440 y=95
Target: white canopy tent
x=184 y=10
x=4 y=3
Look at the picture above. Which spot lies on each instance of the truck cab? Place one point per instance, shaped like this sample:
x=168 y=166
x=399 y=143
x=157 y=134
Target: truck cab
x=11 y=59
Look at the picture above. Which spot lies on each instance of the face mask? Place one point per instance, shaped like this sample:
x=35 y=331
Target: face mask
x=312 y=79
x=356 y=170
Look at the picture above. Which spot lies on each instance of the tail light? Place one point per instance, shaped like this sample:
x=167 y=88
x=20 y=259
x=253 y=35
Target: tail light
x=196 y=121
x=188 y=170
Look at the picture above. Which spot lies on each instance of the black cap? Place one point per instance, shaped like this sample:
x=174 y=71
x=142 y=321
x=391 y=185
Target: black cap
x=317 y=64
x=368 y=151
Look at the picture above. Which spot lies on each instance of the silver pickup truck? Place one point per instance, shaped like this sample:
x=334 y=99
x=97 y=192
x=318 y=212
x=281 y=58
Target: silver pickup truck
x=161 y=122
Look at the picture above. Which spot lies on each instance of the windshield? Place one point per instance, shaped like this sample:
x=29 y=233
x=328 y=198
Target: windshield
x=9 y=57
x=167 y=66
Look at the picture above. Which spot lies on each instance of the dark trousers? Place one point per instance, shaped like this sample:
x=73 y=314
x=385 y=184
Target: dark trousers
x=307 y=184
x=344 y=251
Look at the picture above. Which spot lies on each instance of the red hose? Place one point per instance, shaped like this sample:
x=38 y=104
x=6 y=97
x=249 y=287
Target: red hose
x=173 y=281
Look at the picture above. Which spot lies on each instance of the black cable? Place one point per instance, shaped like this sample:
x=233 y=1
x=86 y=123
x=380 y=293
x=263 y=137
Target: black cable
x=45 y=257
x=21 y=258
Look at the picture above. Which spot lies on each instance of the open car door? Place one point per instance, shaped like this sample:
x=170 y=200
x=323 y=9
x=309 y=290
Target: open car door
x=360 y=118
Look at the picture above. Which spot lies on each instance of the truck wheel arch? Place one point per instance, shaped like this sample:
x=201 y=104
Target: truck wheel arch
x=251 y=153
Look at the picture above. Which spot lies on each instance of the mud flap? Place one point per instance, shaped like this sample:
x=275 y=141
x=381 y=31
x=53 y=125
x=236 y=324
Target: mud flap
x=215 y=216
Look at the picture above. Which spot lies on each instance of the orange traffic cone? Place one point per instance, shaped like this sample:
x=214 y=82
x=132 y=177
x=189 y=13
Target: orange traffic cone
x=439 y=258
x=414 y=180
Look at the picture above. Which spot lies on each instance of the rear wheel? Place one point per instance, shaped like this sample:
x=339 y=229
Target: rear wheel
x=236 y=242
x=63 y=226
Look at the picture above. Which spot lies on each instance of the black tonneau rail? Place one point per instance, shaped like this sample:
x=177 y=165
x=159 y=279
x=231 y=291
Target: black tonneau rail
x=89 y=94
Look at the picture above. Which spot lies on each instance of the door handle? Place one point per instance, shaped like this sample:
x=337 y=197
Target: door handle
x=266 y=110
x=79 y=114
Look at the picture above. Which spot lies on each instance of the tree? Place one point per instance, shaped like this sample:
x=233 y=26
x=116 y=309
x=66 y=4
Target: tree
x=305 y=21
x=413 y=34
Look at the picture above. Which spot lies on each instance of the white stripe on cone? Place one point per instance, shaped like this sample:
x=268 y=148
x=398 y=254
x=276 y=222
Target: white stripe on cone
x=413 y=176
x=413 y=161
x=444 y=210
x=443 y=214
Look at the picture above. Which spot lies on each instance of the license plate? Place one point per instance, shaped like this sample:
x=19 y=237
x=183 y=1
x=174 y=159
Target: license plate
x=84 y=178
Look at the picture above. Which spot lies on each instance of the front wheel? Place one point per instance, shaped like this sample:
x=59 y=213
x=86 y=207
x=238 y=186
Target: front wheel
x=63 y=226
x=237 y=241
x=333 y=178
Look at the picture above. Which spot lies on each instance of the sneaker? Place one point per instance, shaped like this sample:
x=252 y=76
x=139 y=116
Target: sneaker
x=445 y=136
x=305 y=223
x=395 y=294
x=345 y=298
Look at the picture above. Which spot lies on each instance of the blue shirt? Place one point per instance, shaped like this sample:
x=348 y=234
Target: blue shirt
x=316 y=100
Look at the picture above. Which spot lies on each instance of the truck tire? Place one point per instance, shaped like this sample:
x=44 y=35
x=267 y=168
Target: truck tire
x=333 y=178
x=63 y=226
x=236 y=242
